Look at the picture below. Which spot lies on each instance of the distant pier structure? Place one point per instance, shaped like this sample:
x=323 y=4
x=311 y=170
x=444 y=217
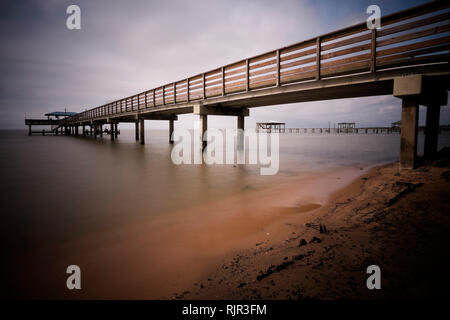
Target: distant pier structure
x=346 y=127
x=55 y=123
x=271 y=126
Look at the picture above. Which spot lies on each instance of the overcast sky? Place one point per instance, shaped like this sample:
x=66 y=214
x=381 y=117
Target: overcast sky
x=125 y=47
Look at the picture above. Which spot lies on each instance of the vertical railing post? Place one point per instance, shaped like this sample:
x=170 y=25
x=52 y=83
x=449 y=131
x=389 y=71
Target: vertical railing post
x=373 y=51
x=247 y=76
x=188 y=89
x=164 y=95
x=204 y=86
x=145 y=100
x=174 y=92
x=278 y=68
x=223 y=81
x=154 y=98
x=318 y=58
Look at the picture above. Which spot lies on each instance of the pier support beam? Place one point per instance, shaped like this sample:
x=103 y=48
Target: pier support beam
x=84 y=130
x=111 y=131
x=116 y=130
x=203 y=126
x=95 y=131
x=142 y=130
x=90 y=130
x=136 y=130
x=408 y=137
x=101 y=130
x=29 y=130
x=204 y=111
x=171 y=126
x=432 y=131
x=409 y=89
x=240 y=133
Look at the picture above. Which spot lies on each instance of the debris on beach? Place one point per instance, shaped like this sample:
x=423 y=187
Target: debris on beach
x=315 y=239
x=302 y=243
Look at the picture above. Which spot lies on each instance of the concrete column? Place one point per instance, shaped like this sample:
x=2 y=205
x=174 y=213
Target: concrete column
x=203 y=127
x=95 y=131
x=432 y=131
x=76 y=130
x=90 y=130
x=84 y=130
x=29 y=130
x=111 y=131
x=171 y=126
x=408 y=137
x=116 y=130
x=240 y=134
x=101 y=130
x=142 y=130
x=136 y=130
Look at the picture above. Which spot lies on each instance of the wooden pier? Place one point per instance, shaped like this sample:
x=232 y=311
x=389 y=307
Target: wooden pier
x=407 y=58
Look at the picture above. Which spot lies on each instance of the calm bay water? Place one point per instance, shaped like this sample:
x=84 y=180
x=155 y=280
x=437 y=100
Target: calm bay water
x=57 y=189
x=80 y=184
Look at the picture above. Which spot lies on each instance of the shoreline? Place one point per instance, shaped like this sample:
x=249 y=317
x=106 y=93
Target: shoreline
x=394 y=219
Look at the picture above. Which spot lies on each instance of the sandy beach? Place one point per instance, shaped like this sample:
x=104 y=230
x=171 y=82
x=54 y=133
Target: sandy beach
x=395 y=219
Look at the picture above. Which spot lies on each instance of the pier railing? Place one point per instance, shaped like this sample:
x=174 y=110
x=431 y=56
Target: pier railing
x=415 y=36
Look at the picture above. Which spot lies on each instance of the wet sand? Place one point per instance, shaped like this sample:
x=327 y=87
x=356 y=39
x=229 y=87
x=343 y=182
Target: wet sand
x=398 y=220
